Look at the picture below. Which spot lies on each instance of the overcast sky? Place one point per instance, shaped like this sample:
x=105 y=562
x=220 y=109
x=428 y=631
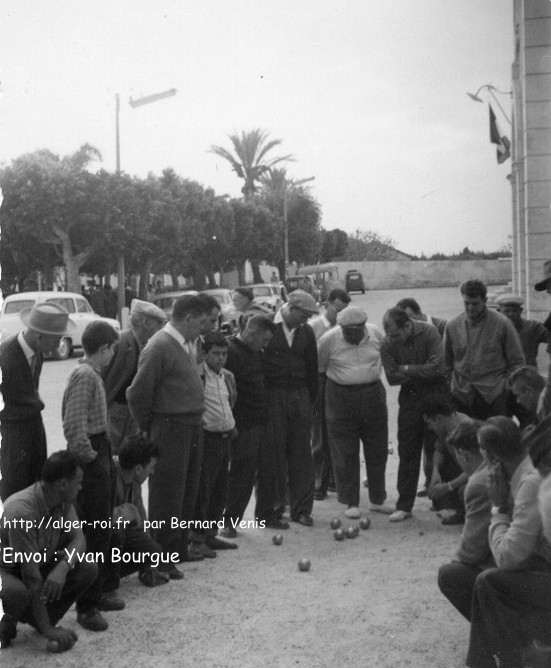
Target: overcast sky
x=369 y=96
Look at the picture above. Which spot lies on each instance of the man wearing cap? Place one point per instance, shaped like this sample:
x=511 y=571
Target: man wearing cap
x=291 y=378
x=355 y=407
x=413 y=358
x=531 y=332
x=23 y=447
x=145 y=320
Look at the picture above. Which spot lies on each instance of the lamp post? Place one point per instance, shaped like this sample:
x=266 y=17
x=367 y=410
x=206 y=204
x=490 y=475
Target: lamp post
x=138 y=102
x=492 y=90
x=286 y=183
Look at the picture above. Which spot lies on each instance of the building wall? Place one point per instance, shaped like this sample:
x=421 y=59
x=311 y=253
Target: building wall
x=531 y=169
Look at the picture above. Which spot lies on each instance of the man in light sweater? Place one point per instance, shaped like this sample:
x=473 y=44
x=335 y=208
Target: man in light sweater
x=166 y=400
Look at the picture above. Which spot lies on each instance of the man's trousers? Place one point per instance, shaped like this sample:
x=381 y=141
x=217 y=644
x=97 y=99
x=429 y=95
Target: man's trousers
x=174 y=485
x=285 y=458
x=355 y=412
x=22 y=454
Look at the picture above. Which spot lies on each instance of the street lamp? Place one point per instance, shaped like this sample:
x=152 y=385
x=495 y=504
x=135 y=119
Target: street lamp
x=286 y=184
x=492 y=90
x=137 y=102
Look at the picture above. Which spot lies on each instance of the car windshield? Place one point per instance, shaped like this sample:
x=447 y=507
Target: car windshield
x=221 y=297
x=17 y=305
x=262 y=291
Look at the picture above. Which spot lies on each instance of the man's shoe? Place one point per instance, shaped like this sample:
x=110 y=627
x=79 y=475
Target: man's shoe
x=8 y=630
x=151 y=577
x=206 y=551
x=173 y=573
x=380 y=508
x=304 y=519
x=92 y=620
x=456 y=518
x=276 y=523
x=422 y=492
x=192 y=554
x=228 y=532
x=352 y=512
x=399 y=516
x=218 y=544
x=110 y=601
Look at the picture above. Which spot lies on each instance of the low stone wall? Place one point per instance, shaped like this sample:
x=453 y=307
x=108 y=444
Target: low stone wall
x=392 y=274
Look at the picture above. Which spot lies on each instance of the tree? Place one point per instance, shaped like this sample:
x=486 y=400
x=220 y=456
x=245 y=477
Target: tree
x=369 y=245
x=249 y=160
x=333 y=245
x=50 y=200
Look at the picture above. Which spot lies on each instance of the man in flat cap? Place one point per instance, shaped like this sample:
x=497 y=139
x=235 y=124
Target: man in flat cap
x=531 y=332
x=413 y=358
x=145 y=320
x=23 y=448
x=291 y=379
x=355 y=407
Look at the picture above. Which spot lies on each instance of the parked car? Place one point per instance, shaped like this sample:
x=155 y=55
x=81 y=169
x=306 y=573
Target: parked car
x=305 y=283
x=354 y=281
x=267 y=294
x=229 y=317
x=80 y=311
x=165 y=300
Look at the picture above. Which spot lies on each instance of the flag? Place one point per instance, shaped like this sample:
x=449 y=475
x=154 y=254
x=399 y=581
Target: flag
x=503 y=145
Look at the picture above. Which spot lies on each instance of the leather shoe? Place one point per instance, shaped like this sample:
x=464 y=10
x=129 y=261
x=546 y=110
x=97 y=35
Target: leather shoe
x=276 y=523
x=205 y=550
x=219 y=544
x=110 y=601
x=228 y=532
x=319 y=495
x=173 y=573
x=304 y=519
x=456 y=518
x=92 y=620
x=192 y=554
x=152 y=577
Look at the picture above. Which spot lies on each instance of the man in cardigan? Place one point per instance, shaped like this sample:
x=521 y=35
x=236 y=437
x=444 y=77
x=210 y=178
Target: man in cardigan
x=166 y=400
x=291 y=376
x=145 y=320
x=23 y=449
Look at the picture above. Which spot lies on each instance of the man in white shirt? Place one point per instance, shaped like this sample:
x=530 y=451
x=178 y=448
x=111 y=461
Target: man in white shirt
x=355 y=407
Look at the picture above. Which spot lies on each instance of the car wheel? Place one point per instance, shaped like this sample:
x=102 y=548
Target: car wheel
x=64 y=349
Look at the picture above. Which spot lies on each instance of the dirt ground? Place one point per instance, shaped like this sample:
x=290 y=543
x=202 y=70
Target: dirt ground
x=371 y=601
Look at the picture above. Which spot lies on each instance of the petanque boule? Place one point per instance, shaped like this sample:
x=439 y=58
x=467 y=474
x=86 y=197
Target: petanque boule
x=304 y=565
x=277 y=539
x=339 y=534
x=365 y=523
x=335 y=523
x=352 y=532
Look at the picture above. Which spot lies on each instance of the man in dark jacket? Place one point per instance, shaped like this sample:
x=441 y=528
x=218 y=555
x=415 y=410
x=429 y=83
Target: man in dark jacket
x=23 y=448
x=291 y=375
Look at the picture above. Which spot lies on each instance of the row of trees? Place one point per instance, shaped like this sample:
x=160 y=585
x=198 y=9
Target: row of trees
x=57 y=211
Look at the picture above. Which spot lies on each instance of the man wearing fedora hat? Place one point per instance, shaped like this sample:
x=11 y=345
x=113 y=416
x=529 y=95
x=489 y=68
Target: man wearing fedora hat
x=145 y=320
x=23 y=448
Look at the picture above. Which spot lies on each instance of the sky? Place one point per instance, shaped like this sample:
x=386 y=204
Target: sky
x=368 y=96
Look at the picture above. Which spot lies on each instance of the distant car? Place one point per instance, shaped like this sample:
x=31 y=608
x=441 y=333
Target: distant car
x=305 y=283
x=354 y=281
x=165 y=300
x=80 y=311
x=229 y=317
x=267 y=294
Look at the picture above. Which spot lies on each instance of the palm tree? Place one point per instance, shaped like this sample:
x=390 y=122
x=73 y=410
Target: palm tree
x=249 y=162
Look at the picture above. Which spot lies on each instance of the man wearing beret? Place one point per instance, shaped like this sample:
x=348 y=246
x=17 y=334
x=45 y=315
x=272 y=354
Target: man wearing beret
x=145 y=320
x=355 y=407
x=23 y=448
x=291 y=379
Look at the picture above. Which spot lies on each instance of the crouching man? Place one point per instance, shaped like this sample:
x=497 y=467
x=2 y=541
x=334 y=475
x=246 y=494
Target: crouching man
x=42 y=565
